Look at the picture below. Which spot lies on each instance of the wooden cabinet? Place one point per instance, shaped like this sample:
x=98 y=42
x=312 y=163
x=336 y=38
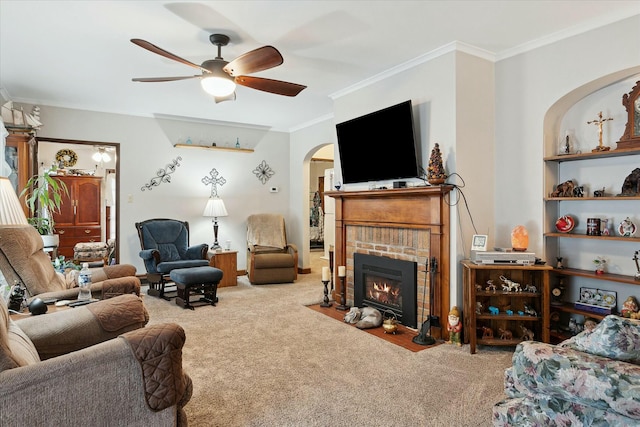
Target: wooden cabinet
x=79 y=219
x=18 y=153
x=600 y=170
x=478 y=319
x=226 y=261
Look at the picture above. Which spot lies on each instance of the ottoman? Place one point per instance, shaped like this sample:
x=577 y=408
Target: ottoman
x=196 y=281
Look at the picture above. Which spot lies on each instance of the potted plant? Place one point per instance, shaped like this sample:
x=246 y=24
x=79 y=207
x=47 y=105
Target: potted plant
x=43 y=196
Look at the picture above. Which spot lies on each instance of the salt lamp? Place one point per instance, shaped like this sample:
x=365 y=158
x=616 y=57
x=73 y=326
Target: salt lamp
x=519 y=238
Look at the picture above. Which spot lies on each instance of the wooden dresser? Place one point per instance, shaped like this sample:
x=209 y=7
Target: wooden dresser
x=79 y=219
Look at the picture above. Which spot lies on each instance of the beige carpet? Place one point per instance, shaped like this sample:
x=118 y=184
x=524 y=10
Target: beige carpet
x=261 y=358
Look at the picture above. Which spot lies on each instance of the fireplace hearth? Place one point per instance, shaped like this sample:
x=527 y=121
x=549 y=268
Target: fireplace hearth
x=386 y=284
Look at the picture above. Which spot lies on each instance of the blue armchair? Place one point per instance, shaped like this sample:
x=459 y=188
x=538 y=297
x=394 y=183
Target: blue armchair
x=165 y=247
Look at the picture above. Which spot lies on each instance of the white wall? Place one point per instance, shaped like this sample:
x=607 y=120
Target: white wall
x=527 y=85
x=147 y=147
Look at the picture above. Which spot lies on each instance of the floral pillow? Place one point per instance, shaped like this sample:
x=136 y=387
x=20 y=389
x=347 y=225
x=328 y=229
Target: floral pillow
x=615 y=337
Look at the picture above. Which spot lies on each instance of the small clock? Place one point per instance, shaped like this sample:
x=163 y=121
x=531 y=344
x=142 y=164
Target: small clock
x=556 y=294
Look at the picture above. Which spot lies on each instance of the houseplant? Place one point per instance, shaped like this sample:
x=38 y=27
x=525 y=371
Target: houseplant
x=43 y=196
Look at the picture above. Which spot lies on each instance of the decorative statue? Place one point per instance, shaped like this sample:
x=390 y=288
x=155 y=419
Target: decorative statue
x=435 y=172
x=454 y=326
x=629 y=307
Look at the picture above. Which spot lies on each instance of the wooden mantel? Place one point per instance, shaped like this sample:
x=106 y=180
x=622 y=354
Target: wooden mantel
x=410 y=208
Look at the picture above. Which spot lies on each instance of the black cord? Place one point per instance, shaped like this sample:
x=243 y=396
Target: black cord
x=464 y=198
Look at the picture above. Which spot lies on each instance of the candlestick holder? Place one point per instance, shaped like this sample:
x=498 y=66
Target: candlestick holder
x=326 y=302
x=342 y=306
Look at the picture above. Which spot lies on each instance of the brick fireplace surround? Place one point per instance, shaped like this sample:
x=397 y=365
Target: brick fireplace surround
x=410 y=224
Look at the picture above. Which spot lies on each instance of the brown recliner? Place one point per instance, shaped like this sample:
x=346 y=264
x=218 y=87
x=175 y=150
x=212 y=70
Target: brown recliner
x=270 y=259
x=103 y=366
x=23 y=260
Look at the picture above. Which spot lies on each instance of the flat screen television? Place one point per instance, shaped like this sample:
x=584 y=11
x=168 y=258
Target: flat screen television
x=378 y=146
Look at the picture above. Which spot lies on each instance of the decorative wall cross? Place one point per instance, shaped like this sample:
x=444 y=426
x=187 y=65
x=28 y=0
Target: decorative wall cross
x=263 y=172
x=599 y=121
x=214 y=181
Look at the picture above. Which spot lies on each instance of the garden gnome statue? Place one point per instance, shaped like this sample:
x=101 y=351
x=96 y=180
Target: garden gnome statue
x=435 y=173
x=454 y=326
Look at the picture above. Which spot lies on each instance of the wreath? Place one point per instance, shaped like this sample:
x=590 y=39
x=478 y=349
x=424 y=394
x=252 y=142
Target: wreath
x=66 y=157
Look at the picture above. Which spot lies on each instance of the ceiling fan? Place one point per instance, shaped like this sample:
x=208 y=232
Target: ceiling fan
x=219 y=77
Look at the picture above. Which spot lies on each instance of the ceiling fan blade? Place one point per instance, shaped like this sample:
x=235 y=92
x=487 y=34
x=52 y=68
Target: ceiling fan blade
x=220 y=99
x=155 y=49
x=269 y=85
x=253 y=61
x=163 y=79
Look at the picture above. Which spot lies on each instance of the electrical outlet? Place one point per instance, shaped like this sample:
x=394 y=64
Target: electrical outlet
x=130 y=198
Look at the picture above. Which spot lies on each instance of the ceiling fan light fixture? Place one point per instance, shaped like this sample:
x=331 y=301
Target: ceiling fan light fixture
x=218 y=86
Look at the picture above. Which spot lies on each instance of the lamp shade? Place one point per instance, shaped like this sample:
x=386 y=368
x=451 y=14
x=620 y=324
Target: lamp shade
x=215 y=208
x=10 y=209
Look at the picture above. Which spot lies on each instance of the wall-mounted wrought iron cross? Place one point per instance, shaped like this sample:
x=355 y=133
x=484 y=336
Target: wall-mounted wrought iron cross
x=214 y=180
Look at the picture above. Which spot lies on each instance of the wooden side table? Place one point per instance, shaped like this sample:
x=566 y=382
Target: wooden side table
x=227 y=261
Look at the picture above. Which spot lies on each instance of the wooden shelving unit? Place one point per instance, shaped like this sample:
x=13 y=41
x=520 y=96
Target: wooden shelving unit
x=205 y=147
x=475 y=274
x=554 y=167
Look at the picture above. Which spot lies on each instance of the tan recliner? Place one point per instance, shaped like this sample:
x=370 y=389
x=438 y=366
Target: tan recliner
x=92 y=365
x=23 y=260
x=270 y=259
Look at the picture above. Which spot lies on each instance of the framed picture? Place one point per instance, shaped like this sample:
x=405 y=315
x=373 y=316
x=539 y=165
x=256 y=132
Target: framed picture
x=18 y=118
x=479 y=243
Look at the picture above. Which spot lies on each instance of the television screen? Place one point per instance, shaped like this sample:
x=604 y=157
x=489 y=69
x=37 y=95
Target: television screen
x=379 y=146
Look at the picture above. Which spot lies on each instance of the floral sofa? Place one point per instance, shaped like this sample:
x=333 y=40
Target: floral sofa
x=592 y=379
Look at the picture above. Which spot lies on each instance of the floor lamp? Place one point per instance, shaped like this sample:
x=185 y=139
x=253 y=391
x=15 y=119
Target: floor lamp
x=215 y=208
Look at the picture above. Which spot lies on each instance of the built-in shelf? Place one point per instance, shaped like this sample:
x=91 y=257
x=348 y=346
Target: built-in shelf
x=568 y=307
x=242 y=150
x=598 y=155
x=580 y=199
x=591 y=274
x=585 y=236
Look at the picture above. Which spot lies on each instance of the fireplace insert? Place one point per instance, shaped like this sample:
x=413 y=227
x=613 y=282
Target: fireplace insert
x=386 y=284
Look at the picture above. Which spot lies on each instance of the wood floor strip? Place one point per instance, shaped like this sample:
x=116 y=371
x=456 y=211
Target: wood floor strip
x=403 y=336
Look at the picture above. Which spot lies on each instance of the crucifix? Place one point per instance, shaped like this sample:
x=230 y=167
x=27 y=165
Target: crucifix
x=600 y=121
x=635 y=258
x=214 y=180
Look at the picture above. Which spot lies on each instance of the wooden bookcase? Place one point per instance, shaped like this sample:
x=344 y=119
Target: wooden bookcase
x=477 y=274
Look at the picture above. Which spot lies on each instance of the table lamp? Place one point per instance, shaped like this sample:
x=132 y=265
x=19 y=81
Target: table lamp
x=215 y=208
x=10 y=208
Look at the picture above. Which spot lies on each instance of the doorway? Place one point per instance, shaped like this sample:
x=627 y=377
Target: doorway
x=89 y=158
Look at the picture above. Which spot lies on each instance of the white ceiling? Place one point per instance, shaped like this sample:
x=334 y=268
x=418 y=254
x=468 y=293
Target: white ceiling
x=77 y=54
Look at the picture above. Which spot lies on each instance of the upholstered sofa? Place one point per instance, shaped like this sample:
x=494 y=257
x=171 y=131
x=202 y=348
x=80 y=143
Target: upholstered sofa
x=23 y=260
x=92 y=365
x=592 y=379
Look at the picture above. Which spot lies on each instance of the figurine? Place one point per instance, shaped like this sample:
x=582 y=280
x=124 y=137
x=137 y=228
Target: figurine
x=487 y=332
x=505 y=334
x=479 y=307
x=493 y=310
x=578 y=191
x=564 y=189
x=573 y=326
x=635 y=258
x=599 y=193
x=590 y=324
x=530 y=310
x=527 y=334
x=559 y=265
x=600 y=263
x=509 y=312
x=530 y=288
x=629 y=306
x=454 y=326
x=491 y=287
